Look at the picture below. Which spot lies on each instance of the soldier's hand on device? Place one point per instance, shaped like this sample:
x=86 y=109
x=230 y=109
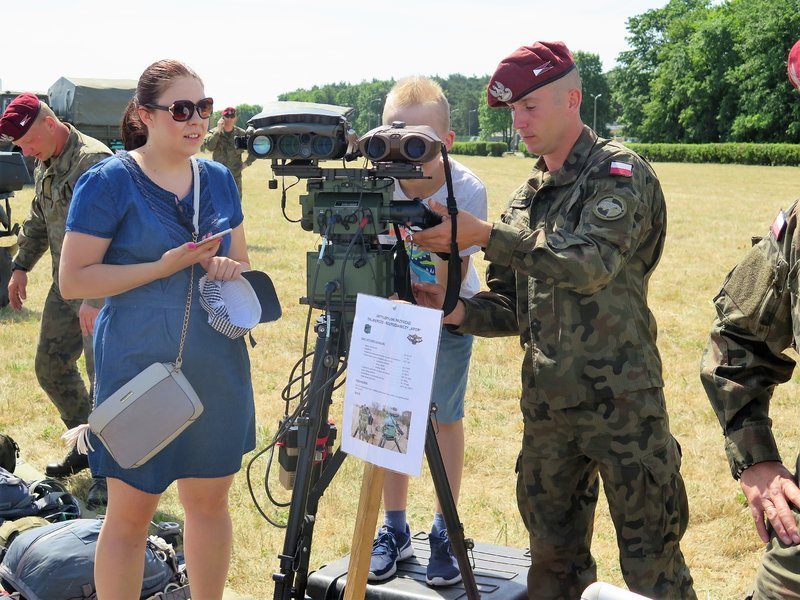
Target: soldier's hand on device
x=471 y=231
x=17 y=289
x=769 y=488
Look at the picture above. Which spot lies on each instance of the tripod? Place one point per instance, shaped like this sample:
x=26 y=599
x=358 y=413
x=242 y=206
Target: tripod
x=312 y=478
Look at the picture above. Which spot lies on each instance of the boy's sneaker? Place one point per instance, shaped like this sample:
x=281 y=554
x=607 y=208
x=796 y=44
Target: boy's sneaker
x=442 y=566
x=389 y=547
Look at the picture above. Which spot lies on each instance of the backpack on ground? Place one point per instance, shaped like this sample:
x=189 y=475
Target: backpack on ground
x=56 y=562
x=9 y=453
x=9 y=530
x=45 y=498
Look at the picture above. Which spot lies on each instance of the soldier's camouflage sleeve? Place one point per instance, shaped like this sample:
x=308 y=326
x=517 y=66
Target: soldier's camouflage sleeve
x=33 y=240
x=493 y=313
x=744 y=360
x=212 y=139
x=587 y=258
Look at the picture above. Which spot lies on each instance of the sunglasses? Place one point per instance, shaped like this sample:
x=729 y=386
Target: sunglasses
x=230 y=116
x=182 y=110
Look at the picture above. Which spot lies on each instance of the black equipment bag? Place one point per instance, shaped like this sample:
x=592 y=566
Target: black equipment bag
x=9 y=453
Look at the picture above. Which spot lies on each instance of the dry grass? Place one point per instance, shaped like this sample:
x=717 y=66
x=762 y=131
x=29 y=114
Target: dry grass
x=713 y=212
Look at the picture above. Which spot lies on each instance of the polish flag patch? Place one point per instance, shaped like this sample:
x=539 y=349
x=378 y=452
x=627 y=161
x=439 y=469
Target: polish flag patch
x=621 y=168
x=778 y=225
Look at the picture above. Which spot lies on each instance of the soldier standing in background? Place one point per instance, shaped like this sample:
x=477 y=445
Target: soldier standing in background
x=220 y=141
x=63 y=154
x=569 y=265
x=758 y=315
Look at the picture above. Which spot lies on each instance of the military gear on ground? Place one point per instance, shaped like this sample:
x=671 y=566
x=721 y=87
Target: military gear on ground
x=11 y=529
x=9 y=453
x=570 y=262
x=44 y=498
x=56 y=562
x=223 y=150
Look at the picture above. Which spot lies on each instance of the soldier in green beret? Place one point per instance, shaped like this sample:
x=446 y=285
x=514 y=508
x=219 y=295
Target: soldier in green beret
x=62 y=154
x=758 y=319
x=569 y=265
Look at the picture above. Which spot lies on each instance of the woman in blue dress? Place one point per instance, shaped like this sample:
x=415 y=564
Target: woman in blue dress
x=129 y=239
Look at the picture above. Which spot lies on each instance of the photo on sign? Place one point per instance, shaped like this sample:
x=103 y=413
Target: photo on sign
x=382 y=426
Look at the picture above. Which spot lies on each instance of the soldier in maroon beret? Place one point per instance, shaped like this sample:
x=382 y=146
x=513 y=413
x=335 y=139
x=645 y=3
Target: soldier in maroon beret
x=19 y=116
x=220 y=141
x=757 y=320
x=569 y=263
x=62 y=155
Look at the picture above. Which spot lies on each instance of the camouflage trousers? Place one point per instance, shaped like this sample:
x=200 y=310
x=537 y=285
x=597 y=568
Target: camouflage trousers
x=626 y=441
x=778 y=577
x=60 y=346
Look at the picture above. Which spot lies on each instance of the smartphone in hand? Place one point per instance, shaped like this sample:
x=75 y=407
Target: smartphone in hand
x=213 y=237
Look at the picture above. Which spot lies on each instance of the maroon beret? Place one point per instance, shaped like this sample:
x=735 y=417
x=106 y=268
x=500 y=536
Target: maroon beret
x=793 y=66
x=528 y=68
x=229 y=112
x=19 y=116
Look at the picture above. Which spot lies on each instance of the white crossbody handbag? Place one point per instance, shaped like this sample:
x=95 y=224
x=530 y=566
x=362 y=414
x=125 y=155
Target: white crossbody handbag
x=138 y=420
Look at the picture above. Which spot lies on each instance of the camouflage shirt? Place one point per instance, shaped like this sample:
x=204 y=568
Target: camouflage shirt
x=569 y=265
x=54 y=181
x=223 y=151
x=758 y=317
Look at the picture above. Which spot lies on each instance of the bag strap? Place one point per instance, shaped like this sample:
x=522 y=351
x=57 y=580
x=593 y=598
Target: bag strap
x=196 y=222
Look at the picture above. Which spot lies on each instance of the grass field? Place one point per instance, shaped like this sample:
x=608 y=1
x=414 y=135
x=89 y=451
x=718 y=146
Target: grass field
x=713 y=211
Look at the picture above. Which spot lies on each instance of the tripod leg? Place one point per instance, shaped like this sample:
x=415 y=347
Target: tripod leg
x=455 y=530
x=290 y=582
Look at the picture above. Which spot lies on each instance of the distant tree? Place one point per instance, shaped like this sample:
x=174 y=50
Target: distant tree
x=703 y=71
x=595 y=84
x=764 y=30
x=494 y=121
x=464 y=95
x=244 y=112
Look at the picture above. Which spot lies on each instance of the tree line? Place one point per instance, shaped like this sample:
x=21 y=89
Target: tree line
x=697 y=71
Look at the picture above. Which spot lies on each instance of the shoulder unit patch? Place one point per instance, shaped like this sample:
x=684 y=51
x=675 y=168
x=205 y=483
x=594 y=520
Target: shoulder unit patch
x=610 y=209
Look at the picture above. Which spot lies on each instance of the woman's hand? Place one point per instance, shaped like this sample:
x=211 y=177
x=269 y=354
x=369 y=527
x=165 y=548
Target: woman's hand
x=223 y=268
x=188 y=254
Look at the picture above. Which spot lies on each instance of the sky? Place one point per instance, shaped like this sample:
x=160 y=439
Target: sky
x=249 y=51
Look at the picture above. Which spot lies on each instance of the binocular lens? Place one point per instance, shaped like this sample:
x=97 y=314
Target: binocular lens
x=415 y=148
x=322 y=146
x=376 y=148
x=289 y=145
x=262 y=144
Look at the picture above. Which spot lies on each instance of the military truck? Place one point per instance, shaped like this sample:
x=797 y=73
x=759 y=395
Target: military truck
x=93 y=106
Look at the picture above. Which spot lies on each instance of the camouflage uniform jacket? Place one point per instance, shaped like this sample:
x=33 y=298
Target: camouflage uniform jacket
x=758 y=317
x=569 y=266
x=223 y=151
x=54 y=181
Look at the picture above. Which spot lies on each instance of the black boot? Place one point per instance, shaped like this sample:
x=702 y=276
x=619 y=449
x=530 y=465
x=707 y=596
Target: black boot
x=73 y=462
x=98 y=494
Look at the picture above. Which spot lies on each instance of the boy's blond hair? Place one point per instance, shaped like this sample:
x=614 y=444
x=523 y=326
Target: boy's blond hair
x=416 y=90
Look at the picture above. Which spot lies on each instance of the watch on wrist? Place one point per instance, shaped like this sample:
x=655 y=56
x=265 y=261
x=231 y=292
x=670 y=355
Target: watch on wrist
x=15 y=266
